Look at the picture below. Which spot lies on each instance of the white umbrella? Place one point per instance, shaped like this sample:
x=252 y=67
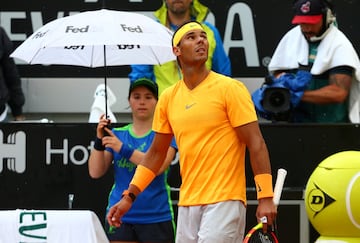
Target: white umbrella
x=98 y=38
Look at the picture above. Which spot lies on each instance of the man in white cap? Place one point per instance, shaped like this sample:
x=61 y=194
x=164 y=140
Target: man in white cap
x=317 y=45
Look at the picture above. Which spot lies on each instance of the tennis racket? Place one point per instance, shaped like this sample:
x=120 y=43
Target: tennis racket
x=256 y=234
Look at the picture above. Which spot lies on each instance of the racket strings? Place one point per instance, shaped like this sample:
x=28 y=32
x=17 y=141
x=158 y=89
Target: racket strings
x=260 y=237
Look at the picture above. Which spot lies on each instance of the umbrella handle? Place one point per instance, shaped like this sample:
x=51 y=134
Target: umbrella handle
x=105 y=81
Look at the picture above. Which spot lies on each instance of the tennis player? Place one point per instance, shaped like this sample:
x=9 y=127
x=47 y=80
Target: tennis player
x=213 y=120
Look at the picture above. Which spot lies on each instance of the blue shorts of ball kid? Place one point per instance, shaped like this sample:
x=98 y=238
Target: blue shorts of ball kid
x=162 y=232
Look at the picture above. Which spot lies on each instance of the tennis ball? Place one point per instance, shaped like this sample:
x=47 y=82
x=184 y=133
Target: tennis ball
x=332 y=195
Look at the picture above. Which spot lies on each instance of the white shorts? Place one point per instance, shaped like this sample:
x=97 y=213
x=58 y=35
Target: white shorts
x=222 y=222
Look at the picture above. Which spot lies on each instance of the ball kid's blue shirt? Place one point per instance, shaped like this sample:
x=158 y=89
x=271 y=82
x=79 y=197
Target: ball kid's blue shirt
x=153 y=205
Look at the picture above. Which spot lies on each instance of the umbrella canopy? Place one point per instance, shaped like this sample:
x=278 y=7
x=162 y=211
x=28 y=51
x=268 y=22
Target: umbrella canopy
x=98 y=38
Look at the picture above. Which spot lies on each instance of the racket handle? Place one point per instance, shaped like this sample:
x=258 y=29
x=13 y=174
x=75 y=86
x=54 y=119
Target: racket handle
x=280 y=179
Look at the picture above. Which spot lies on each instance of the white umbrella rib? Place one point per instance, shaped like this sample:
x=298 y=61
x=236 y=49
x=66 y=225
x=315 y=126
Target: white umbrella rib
x=156 y=57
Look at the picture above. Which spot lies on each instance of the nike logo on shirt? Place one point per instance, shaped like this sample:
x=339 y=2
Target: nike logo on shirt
x=189 y=106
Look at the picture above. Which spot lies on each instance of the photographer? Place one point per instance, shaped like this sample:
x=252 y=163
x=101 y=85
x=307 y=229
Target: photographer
x=316 y=43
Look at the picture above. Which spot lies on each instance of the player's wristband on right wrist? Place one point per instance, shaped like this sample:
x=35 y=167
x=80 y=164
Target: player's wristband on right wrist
x=98 y=144
x=263 y=183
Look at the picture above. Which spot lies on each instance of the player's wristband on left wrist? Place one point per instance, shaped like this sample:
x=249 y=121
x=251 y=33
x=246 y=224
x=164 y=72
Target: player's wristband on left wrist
x=264 y=188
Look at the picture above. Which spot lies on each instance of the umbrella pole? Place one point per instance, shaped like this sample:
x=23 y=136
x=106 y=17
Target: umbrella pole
x=105 y=81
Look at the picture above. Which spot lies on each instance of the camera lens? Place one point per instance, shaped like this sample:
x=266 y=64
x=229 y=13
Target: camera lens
x=277 y=99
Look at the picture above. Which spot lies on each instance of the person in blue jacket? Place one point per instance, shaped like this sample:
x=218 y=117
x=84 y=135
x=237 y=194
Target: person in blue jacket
x=172 y=14
x=151 y=217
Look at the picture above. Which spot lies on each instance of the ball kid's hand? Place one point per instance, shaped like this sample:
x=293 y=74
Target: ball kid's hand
x=103 y=123
x=111 y=140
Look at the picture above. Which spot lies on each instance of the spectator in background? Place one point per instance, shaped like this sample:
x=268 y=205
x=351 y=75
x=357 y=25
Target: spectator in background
x=317 y=45
x=11 y=93
x=172 y=14
x=151 y=218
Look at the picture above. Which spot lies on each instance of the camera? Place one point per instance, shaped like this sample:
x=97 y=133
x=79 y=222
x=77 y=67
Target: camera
x=276 y=100
x=277 y=97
